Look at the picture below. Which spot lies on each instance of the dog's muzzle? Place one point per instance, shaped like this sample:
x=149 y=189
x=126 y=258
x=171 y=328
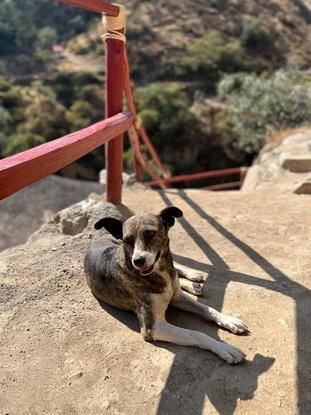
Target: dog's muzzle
x=145 y=271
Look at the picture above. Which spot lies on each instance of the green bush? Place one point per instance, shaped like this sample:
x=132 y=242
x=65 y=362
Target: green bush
x=94 y=95
x=46 y=37
x=21 y=142
x=254 y=35
x=261 y=104
x=5 y=118
x=80 y=115
x=209 y=57
x=43 y=114
x=174 y=129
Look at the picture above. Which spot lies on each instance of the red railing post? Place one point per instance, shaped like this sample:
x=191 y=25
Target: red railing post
x=115 y=44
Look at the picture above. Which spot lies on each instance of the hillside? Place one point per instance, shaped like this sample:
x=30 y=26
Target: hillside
x=158 y=31
x=164 y=29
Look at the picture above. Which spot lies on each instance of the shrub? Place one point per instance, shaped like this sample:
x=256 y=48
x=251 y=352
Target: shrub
x=263 y=104
x=4 y=119
x=44 y=115
x=80 y=115
x=46 y=37
x=210 y=56
x=94 y=95
x=165 y=112
x=254 y=35
x=21 y=142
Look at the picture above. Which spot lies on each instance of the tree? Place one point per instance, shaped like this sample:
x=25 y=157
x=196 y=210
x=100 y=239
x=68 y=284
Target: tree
x=165 y=112
x=263 y=104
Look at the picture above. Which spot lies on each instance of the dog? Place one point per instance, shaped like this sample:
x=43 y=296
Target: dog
x=135 y=271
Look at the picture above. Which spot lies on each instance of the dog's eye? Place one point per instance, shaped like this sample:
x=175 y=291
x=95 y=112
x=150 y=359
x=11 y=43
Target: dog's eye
x=149 y=234
x=129 y=240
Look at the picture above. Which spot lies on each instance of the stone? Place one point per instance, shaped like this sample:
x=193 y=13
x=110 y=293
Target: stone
x=127 y=179
x=296 y=163
x=76 y=375
x=3 y=268
x=304 y=188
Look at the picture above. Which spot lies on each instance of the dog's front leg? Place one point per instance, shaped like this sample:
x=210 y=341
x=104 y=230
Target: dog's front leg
x=164 y=331
x=186 y=302
x=190 y=274
x=191 y=287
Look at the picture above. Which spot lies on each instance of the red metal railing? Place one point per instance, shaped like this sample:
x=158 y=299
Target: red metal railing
x=98 y=6
x=29 y=166
x=240 y=171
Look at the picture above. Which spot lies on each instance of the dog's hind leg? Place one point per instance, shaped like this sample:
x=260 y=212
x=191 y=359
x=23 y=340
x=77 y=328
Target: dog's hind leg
x=192 y=287
x=165 y=331
x=186 y=302
x=190 y=274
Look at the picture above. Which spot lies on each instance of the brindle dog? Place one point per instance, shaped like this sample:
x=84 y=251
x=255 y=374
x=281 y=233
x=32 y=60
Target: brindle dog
x=137 y=273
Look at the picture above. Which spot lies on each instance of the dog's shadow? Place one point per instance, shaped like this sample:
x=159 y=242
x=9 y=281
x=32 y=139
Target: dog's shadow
x=197 y=373
x=127 y=318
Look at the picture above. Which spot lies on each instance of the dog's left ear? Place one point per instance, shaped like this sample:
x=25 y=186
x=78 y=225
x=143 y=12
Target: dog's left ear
x=169 y=214
x=112 y=225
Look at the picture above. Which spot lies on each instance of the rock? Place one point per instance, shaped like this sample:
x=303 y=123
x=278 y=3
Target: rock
x=283 y=168
x=24 y=212
x=296 y=163
x=3 y=268
x=81 y=217
x=127 y=179
x=304 y=188
x=76 y=375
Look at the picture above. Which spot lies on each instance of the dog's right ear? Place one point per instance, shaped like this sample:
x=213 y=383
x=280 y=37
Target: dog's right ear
x=112 y=225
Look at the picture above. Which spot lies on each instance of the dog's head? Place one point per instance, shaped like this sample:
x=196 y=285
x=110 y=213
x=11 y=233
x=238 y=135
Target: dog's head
x=144 y=237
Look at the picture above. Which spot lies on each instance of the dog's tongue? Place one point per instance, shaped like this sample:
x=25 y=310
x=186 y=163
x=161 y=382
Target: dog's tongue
x=146 y=269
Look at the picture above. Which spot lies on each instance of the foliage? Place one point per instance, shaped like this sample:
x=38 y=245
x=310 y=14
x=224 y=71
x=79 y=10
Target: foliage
x=79 y=115
x=254 y=35
x=165 y=112
x=262 y=104
x=209 y=57
x=21 y=142
x=29 y=28
x=31 y=115
x=46 y=37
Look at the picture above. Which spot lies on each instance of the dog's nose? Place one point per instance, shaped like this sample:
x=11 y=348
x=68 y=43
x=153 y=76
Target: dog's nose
x=139 y=261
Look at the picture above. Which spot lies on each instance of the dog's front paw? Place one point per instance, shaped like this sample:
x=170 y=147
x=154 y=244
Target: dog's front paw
x=191 y=287
x=196 y=276
x=233 y=324
x=230 y=354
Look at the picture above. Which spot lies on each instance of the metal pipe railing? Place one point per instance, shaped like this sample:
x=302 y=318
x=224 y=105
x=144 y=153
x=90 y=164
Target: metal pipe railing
x=98 y=6
x=32 y=165
x=197 y=176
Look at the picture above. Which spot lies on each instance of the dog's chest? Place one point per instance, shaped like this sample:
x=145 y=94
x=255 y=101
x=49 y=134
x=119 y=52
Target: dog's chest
x=161 y=301
x=168 y=289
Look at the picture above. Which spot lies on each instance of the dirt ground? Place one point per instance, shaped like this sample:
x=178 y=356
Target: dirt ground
x=64 y=353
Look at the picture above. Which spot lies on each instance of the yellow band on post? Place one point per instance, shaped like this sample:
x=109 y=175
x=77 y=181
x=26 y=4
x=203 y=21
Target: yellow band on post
x=112 y=25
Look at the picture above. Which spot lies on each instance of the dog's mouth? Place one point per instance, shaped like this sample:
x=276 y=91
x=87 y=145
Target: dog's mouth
x=145 y=271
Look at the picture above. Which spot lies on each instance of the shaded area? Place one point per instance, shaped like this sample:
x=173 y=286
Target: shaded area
x=25 y=211
x=238 y=382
